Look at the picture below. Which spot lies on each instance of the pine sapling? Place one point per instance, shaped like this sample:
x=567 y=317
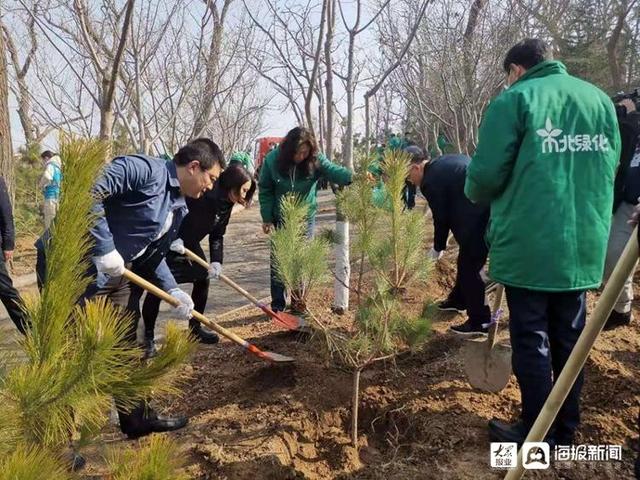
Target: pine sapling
x=76 y=357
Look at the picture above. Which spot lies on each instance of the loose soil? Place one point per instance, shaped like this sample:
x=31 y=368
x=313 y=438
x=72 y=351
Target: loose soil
x=419 y=418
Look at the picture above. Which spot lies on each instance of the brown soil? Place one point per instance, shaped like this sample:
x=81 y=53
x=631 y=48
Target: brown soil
x=24 y=257
x=420 y=419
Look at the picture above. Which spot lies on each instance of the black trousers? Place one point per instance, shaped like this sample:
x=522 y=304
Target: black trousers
x=469 y=287
x=11 y=298
x=544 y=328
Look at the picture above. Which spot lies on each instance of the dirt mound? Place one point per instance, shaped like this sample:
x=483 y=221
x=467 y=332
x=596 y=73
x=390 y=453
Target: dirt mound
x=420 y=419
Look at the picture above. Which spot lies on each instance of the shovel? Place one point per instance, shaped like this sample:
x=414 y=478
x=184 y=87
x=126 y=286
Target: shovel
x=285 y=319
x=269 y=356
x=487 y=363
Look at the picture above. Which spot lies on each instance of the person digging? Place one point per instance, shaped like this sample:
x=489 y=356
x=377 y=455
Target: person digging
x=140 y=204
x=441 y=181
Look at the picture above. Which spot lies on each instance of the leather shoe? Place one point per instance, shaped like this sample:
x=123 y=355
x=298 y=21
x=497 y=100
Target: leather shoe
x=500 y=431
x=168 y=424
x=617 y=319
x=201 y=334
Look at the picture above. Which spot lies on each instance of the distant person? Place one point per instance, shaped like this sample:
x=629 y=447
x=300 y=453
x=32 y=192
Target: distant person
x=547 y=154
x=625 y=197
x=50 y=184
x=8 y=294
x=243 y=158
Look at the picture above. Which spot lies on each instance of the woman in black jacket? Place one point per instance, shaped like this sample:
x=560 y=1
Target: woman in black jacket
x=208 y=215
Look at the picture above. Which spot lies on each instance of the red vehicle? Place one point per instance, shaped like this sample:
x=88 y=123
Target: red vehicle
x=263 y=146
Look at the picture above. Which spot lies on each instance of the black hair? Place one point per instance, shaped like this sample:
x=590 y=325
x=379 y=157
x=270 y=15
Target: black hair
x=418 y=155
x=527 y=53
x=47 y=154
x=206 y=151
x=294 y=139
x=233 y=177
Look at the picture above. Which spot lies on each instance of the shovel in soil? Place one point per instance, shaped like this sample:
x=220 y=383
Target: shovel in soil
x=487 y=363
x=161 y=294
x=284 y=319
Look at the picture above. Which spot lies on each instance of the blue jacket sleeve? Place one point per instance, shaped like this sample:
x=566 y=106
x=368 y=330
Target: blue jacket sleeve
x=165 y=278
x=7 y=231
x=119 y=177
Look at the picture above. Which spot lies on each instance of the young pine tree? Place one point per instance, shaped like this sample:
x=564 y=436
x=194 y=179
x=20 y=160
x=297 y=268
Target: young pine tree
x=391 y=241
x=300 y=261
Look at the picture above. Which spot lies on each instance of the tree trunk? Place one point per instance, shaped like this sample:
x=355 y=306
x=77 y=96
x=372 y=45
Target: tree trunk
x=213 y=67
x=6 y=148
x=343 y=265
x=316 y=67
x=355 y=400
x=328 y=83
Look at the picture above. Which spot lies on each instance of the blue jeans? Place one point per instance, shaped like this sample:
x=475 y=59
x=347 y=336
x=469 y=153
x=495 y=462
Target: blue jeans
x=544 y=328
x=278 y=290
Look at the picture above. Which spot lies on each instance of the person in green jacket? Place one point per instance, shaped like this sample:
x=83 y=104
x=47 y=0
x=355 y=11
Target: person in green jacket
x=243 y=158
x=546 y=160
x=295 y=166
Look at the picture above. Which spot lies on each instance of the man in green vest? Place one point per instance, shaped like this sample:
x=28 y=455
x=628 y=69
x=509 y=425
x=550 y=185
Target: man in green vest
x=546 y=160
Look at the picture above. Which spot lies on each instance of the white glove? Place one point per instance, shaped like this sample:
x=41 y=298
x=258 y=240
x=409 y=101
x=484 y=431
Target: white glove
x=435 y=255
x=111 y=264
x=184 y=309
x=177 y=246
x=215 y=270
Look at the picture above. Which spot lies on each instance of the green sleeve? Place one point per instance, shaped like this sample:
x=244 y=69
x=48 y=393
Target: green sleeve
x=498 y=145
x=333 y=172
x=266 y=192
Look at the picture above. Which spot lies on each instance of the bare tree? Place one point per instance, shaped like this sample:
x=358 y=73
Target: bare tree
x=6 y=147
x=291 y=60
x=208 y=91
x=22 y=88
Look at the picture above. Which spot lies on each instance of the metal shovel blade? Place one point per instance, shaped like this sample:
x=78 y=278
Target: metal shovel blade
x=486 y=362
x=487 y=368
x=277 y=357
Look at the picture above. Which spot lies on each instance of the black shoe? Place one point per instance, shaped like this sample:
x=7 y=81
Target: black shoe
x=150 y=350
x=168 y=424
x=449 y=305
x=202 y=335
x=136 y=424
x=500 y=431
x=617 y=319
x=469 y=329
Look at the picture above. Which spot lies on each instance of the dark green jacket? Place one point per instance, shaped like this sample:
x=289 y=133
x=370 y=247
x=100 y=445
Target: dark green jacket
x=273 y=186
x=546 y=159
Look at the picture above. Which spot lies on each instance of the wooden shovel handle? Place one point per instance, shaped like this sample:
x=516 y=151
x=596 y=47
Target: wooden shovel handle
x=224 y=278
x=151 y=288
x=495 y=313
x=581 y=349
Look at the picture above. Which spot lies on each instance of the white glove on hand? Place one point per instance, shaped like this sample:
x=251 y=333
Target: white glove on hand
x=177 y=246
x=215 y=269
x=435 y=255
x=182 y=311
x=111 y=264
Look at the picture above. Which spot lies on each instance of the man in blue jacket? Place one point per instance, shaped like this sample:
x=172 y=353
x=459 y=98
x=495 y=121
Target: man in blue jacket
x=442 y=183
x=8 y=293
x=139 y=206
